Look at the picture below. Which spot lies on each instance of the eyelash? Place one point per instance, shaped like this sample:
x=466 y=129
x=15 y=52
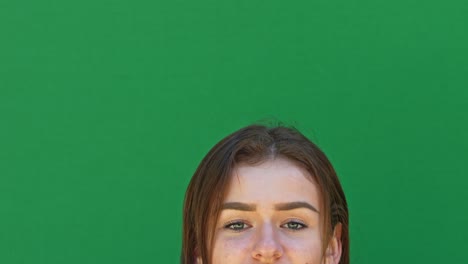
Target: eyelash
x=229 y=225
x=302 y=225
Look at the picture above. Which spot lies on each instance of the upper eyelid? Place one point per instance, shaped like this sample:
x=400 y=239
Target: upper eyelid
x=227 y=226
x=294 y=220
x=301 y=223
x=236 y=222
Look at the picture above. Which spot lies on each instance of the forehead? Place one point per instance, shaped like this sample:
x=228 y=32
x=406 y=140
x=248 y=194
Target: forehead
x=273 y=181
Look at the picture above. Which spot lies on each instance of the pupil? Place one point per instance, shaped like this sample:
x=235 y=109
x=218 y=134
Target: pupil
x=238 y=226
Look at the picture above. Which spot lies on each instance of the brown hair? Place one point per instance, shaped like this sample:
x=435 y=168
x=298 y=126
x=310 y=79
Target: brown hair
x=253 y=144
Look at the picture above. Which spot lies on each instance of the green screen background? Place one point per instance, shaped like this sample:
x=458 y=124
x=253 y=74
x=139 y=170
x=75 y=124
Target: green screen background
x=107 y=107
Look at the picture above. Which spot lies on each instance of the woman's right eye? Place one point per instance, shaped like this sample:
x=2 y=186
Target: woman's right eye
x=236 y=226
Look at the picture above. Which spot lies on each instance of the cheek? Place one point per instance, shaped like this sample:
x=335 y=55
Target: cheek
x=231 y=250
x=307 y=250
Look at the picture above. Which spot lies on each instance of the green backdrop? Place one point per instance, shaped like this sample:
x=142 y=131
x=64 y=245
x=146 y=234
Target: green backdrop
x=107 y=107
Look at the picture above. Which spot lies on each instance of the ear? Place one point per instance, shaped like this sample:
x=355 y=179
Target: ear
x=333 y=253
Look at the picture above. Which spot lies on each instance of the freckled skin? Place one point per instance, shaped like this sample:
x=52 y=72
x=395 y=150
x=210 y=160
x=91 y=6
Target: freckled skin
x=268 y=235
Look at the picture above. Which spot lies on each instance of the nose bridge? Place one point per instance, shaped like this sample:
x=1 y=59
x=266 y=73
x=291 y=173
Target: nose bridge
x=267 y=245
x=267 y=233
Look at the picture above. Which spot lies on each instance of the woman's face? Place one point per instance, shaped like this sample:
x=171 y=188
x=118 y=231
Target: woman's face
x=270 y=215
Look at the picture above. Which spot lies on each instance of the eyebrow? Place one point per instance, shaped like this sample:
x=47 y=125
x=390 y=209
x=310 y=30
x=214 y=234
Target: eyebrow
x=279 y=207
x=295 y=205
x=239 y=206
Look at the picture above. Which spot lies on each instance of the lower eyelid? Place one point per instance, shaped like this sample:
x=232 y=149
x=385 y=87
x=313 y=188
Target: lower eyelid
x=226 y=225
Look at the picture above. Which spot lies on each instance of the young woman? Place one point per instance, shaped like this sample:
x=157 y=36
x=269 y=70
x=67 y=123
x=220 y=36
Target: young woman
x=265 y=195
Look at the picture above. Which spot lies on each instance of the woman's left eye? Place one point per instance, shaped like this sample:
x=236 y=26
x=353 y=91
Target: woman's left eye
x=293 y=225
